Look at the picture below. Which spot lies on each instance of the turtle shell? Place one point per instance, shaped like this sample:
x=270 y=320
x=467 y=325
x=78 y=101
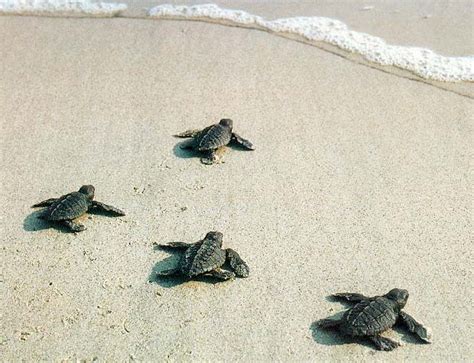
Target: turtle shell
x=68 y=206
x=201 y=258
x=213 y=137
x=370 y=317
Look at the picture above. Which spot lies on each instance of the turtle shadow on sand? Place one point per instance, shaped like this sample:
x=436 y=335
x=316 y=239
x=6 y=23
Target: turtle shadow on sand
x=172 y=281
x=180 y=151
x=183 y=153
x=211 y=142
x=333 y=337
x=33 y=222
x=327 y=336
x=69 y=208
x=164 y=265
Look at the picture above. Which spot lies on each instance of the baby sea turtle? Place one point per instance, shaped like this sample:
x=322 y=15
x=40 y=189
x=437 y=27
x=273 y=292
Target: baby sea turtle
x=73 y=205
x=206 y=257
x=370 y=316
x=213 y=139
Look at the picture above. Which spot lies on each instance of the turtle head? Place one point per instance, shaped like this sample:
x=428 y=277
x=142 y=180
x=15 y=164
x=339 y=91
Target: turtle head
x=227 y=122
x=215 y=237
x=400 y=296
x=88 y=190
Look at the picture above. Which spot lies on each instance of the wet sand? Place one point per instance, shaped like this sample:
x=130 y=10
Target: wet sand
x=361 y=182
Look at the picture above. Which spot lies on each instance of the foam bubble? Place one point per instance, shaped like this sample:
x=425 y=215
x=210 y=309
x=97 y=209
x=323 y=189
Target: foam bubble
x=60 y=8
x=423 y=62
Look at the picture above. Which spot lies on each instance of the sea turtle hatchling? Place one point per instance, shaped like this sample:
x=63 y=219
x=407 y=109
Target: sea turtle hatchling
x=212 y=141
x=73 y=205
x=370 y=316
x=206 y=257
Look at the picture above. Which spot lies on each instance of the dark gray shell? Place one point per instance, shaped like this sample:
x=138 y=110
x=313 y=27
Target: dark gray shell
x=213 y=137
x=201 y=258
x=370 y=317
x=68 y=206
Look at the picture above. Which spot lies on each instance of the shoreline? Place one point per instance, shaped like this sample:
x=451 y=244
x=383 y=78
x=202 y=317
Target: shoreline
x=460 y=88
x=420 y=64
x=360 y=182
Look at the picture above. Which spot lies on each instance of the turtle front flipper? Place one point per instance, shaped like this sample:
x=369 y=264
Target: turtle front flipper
x=415 y=327
x=238 y=265
x=188 y=133
x=221 y=274
x=383 y=343
x=349 y=296
x=107 y=208
x=176 y=245
x=328 y=323
x=73 y=226
x=214 y=156
x=45 y=203
x=246 y=144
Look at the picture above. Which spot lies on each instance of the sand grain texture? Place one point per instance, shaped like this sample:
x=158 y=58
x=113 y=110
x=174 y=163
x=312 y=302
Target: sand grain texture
x=361 y=181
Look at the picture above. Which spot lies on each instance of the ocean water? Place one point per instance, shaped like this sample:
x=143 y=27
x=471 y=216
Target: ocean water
x=60 y=8
x=423 y=62
x=420 y=61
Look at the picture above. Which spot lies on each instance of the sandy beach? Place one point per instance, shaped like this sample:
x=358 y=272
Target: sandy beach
x=361 y=181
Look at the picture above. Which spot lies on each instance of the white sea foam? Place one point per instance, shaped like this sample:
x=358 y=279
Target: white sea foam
x=423 y=62
x=60 y=8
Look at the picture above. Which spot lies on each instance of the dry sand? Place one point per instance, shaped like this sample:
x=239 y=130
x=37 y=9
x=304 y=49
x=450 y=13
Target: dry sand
x=361 y=181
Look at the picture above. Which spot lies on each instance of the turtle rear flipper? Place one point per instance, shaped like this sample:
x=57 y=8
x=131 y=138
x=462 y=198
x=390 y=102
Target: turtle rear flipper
x=238 y=265
x=348 y=296
x=246 y=144
x=175 y=245
x=107 y=208
x=415 y=327
x=328 y=323
x=383 y=343
x=188 y=133
x=45 y=203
